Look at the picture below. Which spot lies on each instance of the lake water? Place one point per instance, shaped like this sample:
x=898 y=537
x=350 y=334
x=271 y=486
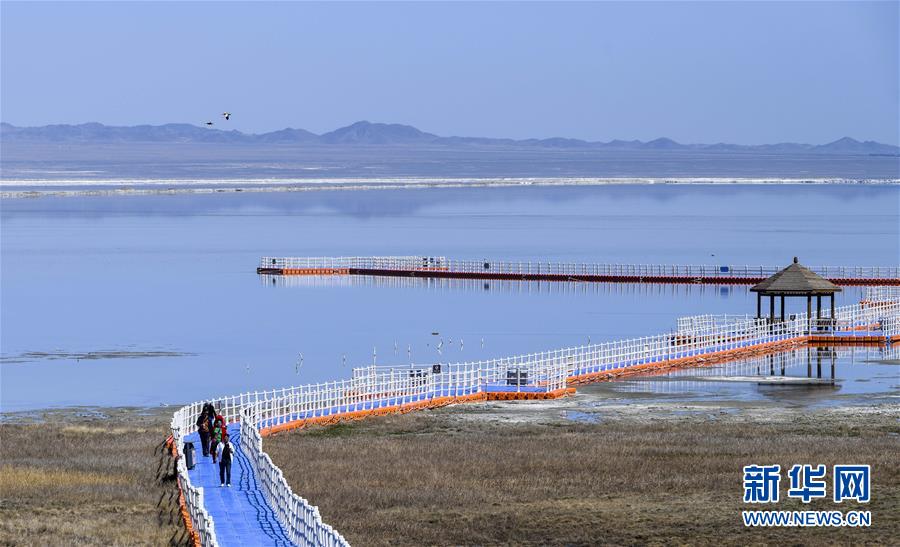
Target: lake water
x=29 y=160
x=154 y=299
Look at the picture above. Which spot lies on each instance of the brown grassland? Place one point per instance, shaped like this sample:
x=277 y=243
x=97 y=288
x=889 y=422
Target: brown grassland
x=73 y=478
x=468 y=475
x=445 y=477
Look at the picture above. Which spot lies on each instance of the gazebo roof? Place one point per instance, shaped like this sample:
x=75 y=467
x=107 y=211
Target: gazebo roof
x=795 y=280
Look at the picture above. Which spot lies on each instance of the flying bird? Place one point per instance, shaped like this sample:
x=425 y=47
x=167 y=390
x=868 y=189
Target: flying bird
x=226 y=115
x=209 y=123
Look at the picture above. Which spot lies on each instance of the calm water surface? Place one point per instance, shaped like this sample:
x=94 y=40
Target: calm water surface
x=135 y=276
x=862 y=375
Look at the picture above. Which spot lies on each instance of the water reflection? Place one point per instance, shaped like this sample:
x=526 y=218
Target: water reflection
x=497 y=285
x=806 y=376
x=689 y=203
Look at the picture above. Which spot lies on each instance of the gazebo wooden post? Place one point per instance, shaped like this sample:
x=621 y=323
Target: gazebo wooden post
x=782 y=308
x=759 y=305
x=808 y=312
x=833 y=323
x=818 y=312
x=772 y=308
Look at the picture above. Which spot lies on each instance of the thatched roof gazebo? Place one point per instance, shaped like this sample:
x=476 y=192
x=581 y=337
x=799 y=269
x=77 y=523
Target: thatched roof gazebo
x=795 y=281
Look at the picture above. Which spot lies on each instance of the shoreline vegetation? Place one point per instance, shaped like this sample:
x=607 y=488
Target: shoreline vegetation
x=31 y=188
x=88 y=476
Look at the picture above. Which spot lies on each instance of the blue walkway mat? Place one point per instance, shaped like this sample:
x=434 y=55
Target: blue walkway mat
x=240 y=513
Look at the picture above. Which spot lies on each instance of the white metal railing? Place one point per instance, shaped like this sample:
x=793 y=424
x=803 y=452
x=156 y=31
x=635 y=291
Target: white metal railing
x=513 y=267
x=300 y=520
x=882 y=294
x=705 y=322
x=377 y=387
x=870 y=317
x=890 y=326
x=354 y=262
x=201 y=522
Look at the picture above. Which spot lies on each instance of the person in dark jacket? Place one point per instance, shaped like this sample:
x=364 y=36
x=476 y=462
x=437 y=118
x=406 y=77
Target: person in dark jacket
x=210 y=414
x=203 y=430
x=225 y=451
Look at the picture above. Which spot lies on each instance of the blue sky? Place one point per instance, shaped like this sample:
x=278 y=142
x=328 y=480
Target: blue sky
x=696 y=72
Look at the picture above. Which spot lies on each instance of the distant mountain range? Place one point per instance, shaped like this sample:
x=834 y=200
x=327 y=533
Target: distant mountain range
x=367 y=133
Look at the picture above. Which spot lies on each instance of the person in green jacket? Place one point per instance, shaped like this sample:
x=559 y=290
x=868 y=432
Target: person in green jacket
x=214 y=440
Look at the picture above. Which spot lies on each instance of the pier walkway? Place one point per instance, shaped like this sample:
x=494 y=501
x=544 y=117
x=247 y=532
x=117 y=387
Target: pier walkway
x=262 y=509
x=241 y=513
x=441 y=267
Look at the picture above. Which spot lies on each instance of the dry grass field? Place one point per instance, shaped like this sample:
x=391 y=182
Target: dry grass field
x=443 y=478
x=469 y=475
x=76 y=478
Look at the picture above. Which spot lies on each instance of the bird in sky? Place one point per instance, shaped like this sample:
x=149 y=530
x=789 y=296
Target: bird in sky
x=209 y=123
x=226 y=115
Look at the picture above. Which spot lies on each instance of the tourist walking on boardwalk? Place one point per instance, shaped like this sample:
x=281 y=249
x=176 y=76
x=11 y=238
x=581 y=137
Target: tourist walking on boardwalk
x=225 y=450
x=203 y=430
x=219 y=422
x=215 y=439
x=210 y=414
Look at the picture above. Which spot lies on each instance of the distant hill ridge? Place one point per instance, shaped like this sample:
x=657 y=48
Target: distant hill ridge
x=367 y=133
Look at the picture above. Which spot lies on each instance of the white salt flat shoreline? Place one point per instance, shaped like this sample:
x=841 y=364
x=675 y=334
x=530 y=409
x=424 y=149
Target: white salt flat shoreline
x=21 y=188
